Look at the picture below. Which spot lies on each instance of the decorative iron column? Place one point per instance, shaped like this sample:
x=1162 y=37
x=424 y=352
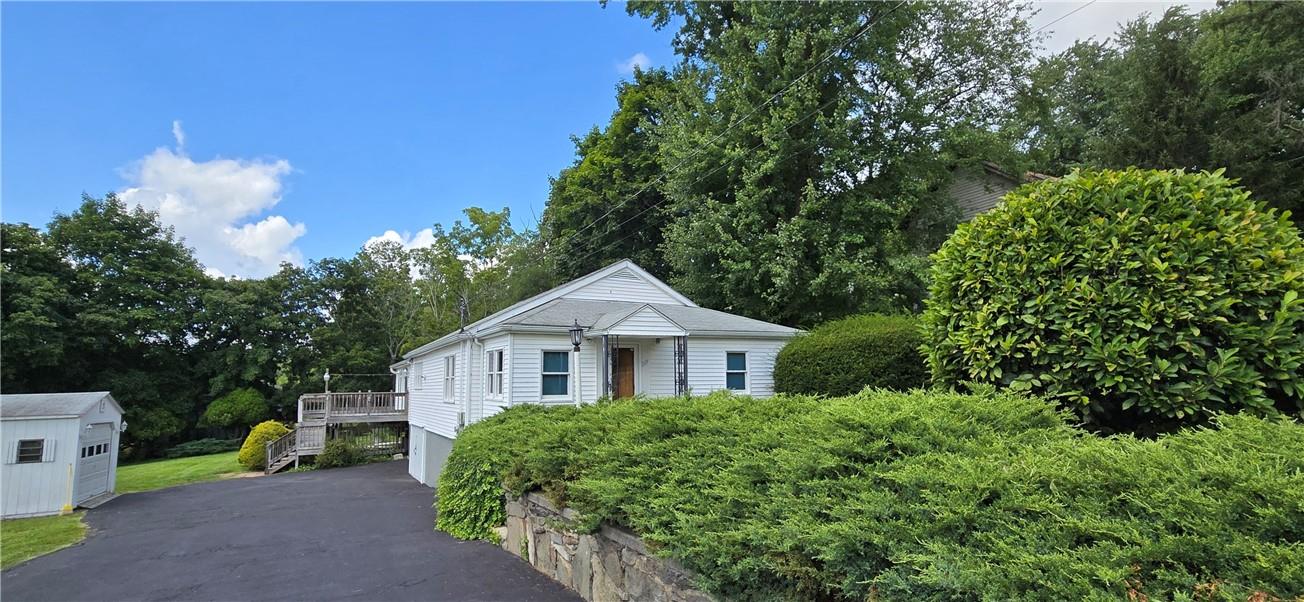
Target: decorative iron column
x=681 y=365
x=606 y=366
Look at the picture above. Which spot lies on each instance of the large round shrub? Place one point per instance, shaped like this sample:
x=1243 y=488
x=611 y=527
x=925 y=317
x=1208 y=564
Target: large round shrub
x=1137 y=298
x=240 y=408
x=253 y=454
x=844 y=356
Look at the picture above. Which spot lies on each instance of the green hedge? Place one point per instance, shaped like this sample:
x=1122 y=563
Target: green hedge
x=1140 y=299
x=338 y=453
x=202 y=447
x=847 y=355
x=918 y=496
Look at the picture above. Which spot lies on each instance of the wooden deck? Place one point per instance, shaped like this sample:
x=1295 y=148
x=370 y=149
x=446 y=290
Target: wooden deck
x=320 y=414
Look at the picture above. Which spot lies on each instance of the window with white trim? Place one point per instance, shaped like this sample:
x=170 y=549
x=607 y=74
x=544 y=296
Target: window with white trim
x=30 y=451
x=735 y=370
x=494 y=372
x=418 y=375
x=556 y=373
x=450 y=377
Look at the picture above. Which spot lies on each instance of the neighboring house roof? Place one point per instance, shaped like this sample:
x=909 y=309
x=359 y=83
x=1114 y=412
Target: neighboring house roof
x=552 y=309
x=52 y=405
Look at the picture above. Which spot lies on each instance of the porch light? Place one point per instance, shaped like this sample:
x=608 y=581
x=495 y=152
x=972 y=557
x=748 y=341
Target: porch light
x=327 y=377
x=577 y=334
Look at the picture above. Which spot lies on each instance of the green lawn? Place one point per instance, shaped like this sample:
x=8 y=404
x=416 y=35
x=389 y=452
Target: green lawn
x=157 y=474
x=26 y=538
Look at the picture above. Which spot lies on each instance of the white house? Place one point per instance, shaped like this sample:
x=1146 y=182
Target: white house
x=60 y=450
x=637 y=336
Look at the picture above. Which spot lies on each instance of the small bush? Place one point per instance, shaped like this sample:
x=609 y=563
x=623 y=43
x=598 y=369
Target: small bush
x=1139 y=299
x=202 y=447
x=340 y=452
x=844 y=356
x=906 y=496
x=253 y=454
x=240 y=408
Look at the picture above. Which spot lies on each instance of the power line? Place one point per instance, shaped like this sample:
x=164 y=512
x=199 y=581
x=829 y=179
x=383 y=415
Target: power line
x=661 y=178
x=1064 y=16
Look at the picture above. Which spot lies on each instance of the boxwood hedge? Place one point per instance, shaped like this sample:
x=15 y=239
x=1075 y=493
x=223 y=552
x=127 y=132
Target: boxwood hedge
x=844 y=356
x=1139 y=299
x=253 y=453
x=910 y=496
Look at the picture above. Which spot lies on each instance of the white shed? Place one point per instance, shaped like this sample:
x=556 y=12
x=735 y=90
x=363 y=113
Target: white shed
x=60 y=450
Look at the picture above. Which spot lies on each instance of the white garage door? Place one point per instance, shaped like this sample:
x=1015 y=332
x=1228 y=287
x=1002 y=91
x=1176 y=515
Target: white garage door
x=93 y=457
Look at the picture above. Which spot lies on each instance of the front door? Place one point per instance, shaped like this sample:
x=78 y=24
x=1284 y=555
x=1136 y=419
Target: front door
x=624 y=382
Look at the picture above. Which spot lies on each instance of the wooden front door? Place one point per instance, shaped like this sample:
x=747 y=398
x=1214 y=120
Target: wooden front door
x=624 y=381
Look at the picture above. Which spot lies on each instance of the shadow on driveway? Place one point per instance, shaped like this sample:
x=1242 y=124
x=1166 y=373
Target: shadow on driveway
x=361 y=533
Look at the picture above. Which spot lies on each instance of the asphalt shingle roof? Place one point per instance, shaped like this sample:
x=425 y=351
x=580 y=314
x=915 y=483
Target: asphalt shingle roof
x=36 y=405
x=602 y=314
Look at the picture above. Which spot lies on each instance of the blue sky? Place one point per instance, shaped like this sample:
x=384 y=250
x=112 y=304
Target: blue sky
x=285 y=131
x=359 y=118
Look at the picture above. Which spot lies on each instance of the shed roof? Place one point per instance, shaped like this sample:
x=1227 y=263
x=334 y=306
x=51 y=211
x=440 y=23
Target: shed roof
x=51 y=405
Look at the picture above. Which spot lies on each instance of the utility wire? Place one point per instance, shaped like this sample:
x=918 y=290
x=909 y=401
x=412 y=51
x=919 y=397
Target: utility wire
x=1064 y=16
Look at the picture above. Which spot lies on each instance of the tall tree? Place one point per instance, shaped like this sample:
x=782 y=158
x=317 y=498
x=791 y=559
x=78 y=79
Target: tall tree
x=136 y=290
x=1222 y=89
x=808 y=136
x=37 y=310
x=608 y=205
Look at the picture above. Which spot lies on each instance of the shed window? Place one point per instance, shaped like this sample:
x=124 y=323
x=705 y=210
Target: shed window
x=30 y=451
x=556 y=373
x=450 y=377
x=735 y=371
x=494 y=372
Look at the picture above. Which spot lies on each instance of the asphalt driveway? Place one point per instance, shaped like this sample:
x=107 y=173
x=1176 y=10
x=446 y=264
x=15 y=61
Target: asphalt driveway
x=361 y=533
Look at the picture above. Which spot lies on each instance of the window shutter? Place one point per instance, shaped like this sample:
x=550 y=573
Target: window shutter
x=49 y=450
x=11 y=452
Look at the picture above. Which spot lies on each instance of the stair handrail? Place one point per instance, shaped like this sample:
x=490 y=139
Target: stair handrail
x=279 y=448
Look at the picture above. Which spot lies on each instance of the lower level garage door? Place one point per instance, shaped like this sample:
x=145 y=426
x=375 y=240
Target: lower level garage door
x=93 y=457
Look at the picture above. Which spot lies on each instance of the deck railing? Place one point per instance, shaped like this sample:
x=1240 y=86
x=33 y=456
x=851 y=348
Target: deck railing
x=322 y=406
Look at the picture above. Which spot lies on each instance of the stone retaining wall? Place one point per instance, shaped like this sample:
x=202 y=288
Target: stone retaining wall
x=611 y=565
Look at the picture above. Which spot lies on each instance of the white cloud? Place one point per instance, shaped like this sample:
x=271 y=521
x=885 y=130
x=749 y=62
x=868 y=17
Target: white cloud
x=179 y=135
x=214 y=204
x=1099 y=20
x=639 y=60
x=420 y=240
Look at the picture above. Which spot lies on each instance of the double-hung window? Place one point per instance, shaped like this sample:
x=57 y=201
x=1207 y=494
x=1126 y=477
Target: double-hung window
x=494 y=372
x=30 y=451
x=450 y=377
x=735 y=370
x=418 y=375
x=556 y=373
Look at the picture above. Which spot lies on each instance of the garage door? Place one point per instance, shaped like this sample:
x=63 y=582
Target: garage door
x=93 y=457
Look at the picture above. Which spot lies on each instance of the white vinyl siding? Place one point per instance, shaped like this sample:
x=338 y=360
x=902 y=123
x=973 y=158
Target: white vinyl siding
x=707 y=368
x=623 y=285
x=427 y=406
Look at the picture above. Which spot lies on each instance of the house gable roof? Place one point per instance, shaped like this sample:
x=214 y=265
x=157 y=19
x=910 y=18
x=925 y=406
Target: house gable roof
x=645 y=320
x=583 y=286
x=52 y=405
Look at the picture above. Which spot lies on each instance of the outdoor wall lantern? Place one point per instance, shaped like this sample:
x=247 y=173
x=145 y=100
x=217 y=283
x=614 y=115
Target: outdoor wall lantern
x=577 y=333
x=327 y=377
